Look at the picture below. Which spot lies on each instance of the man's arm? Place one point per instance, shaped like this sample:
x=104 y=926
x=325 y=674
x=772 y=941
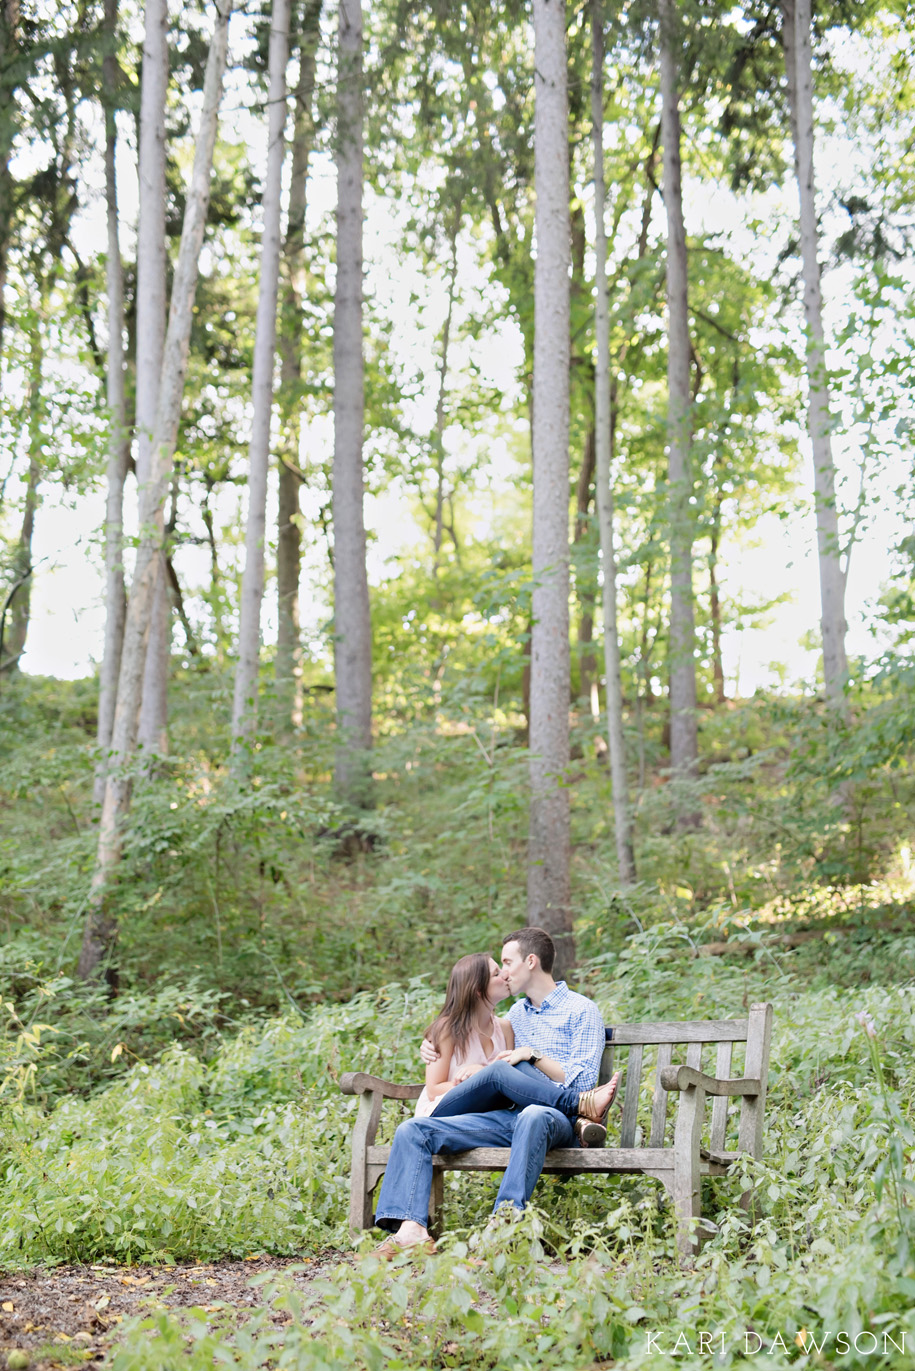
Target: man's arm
x=588 y=1038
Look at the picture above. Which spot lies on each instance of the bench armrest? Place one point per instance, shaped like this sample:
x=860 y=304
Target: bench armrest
x=360 y=1083
x=682 y=1077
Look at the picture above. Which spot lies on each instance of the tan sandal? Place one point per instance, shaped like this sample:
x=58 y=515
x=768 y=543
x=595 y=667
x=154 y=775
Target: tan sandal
x=588 y=1107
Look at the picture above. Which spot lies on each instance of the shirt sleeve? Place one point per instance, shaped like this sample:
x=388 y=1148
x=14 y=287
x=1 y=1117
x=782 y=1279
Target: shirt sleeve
x=586 y=1047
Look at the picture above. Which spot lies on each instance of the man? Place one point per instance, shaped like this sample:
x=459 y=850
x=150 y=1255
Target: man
x=560 y=1035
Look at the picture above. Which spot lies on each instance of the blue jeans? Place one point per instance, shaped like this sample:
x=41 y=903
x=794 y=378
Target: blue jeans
x=499 y=1086
x=529 y=1132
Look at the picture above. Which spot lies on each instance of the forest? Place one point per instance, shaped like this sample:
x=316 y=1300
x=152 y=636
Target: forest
x=484 y=433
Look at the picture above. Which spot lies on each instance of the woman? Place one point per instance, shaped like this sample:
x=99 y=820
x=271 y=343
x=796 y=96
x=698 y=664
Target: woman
x=466 y=1034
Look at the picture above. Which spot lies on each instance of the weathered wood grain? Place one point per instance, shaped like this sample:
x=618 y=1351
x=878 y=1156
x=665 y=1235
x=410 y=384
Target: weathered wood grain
x=358 y=1082
x=684 y=1078
x=697 y=1031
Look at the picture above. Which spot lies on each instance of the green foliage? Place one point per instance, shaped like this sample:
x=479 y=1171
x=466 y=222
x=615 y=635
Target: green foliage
x=180 y=1158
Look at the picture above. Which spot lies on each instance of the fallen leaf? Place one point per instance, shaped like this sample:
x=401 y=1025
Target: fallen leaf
x=82 y=1336
x=7 y=1306
x=209 y=1281
x=102 y=1302
x=62 y=1337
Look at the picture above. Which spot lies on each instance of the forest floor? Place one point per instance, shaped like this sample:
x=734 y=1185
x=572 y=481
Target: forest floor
x=68 y=1316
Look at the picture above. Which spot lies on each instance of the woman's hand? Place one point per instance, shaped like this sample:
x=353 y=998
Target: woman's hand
x=463 y=1073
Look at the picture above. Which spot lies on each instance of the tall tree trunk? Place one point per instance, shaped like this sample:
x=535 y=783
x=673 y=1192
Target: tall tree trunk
x=584 y=580
x=548 y=879
x=244 y=707
x=439 y=441
x=151 y=314
x=9 y=10
x=684 y=748
x=798 y=70
x=100 y=929
x=715 y=603
x=20 y=607
x=119 y=439
x=604 y=433
x=289 y=538
x=352 y=622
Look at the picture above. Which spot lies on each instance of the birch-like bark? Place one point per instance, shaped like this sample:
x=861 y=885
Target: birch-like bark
x=352 y=622
x=289 y=539
x=151 y=316
x=833 y=627
x=20 y=607
x=100 y=928
x=622 y=814
x=548 y=881
x=244 y=707
x=682 y=668
x=119 y=439
x=9 y=13
x=439 y=448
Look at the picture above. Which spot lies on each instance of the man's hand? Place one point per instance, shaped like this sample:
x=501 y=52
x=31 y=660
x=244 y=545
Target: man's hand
x=515 y=1055
x=463 y=1073
x=428 y=1052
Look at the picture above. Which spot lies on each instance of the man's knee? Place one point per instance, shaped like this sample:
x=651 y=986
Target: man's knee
x=412 y=1132
x=538 y=1118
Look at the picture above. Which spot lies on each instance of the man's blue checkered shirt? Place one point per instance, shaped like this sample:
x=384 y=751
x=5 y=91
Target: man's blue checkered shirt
x=567 y=1027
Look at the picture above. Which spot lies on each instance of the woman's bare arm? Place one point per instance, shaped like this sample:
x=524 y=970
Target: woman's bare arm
x=508 y=1031
x=437 y=1072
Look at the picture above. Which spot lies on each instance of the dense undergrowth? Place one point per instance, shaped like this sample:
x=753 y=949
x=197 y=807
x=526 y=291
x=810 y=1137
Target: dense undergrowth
x=247 y=1152
x=197 y=1114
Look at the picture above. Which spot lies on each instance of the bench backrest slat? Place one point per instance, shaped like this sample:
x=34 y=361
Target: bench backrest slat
x=659 y=1102
x=720 y=1102
x=631 y=1096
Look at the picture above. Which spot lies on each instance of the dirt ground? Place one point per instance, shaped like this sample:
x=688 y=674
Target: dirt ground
x=69 y=1315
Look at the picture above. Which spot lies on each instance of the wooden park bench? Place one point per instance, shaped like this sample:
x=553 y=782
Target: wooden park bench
x=678 y=1152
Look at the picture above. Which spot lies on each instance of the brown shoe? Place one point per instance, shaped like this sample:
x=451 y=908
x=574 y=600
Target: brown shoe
x=391 y=1249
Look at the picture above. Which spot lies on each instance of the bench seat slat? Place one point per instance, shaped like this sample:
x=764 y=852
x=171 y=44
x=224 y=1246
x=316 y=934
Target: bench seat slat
x=575 y=1159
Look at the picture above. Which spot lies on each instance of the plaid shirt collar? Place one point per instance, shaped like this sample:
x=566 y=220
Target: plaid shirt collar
x=553 y=1000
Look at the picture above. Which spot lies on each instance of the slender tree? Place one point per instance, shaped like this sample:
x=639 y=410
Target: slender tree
x=292 y=335
x=151 y=314
x=798 y=71
x=352 y=622
x=10 y=75
x=684 y=749
x=244 y=708
x=100 y=928
x=603 y=422
x=119 y=439
x=548 y=888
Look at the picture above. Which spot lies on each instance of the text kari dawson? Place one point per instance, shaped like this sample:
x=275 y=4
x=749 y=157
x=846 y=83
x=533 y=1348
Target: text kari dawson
x=713 y=1342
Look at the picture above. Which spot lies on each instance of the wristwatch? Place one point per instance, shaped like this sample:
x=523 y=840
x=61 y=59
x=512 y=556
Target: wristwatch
x=535 y=1056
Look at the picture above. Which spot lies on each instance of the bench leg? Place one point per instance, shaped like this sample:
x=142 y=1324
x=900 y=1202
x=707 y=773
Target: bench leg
x=362 y=1183
x=436 y=1201
x=687 y=1180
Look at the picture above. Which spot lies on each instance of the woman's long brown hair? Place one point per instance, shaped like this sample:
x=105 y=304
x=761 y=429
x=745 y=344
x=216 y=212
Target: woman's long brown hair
x=467 y=985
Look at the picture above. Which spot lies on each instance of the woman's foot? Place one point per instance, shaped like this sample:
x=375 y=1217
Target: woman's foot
x=588 y=1133
x=594 y=1105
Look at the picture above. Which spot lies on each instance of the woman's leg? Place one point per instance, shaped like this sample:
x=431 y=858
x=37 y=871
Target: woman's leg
x=499 y=1085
